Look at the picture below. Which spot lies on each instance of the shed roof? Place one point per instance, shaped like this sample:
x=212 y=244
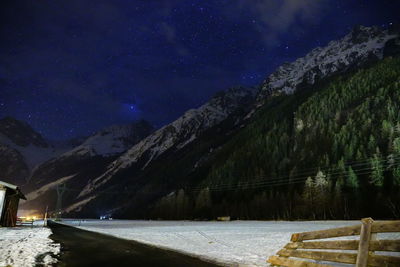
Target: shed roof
x=13 y=187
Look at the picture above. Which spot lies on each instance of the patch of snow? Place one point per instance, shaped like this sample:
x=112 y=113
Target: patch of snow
x=111 y=141
x=27 y=246
x=244 y=243
x=78 y=205
x=50 y=186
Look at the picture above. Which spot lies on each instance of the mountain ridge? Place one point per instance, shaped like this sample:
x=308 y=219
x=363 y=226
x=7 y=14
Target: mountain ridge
x=128 y=172
x=361 y=45
x=358 y=48
x=179 y=133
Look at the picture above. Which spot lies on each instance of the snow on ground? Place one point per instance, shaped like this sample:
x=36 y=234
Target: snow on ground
x=244 y=243
x=27 y=246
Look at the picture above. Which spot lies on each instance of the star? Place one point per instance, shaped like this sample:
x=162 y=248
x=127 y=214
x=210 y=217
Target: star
x=188 y=49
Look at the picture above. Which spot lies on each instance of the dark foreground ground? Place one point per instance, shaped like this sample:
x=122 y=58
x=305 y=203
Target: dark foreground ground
x=84 y=248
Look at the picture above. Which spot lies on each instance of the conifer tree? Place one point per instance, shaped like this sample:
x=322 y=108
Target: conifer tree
x=203 y=202
x=352 y=180
x=377 y=171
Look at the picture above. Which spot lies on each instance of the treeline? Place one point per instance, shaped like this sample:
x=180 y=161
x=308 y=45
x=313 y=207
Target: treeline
x=327 y=152
x=317 y=198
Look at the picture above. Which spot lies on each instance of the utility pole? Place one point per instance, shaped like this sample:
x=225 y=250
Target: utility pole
x=60 y=191
x=45 y=216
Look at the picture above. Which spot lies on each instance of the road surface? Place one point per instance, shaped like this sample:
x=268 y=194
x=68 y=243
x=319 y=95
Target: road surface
x=84 y=248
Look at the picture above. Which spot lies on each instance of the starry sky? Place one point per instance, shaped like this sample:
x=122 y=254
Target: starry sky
x=71 y=67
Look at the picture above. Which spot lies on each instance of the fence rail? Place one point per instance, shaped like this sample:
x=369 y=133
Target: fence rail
x=376 y=245
x=363 y=249
x=20 y=222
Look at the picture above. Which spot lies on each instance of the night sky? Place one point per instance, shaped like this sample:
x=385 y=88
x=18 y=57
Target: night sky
x=71 y=67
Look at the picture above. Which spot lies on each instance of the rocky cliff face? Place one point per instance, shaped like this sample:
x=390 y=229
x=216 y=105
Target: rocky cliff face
x=13 y=167
x=20 y=133
x=22 y=149
x=361 y=45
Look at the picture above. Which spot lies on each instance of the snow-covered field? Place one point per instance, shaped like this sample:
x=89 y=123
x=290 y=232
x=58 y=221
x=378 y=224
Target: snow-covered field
x=27 y=246
x=240 y=243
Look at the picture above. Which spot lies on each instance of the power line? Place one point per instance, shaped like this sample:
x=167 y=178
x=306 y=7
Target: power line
x=347 y=163
x=256 y=185
x=328 y=170
x=363 y=162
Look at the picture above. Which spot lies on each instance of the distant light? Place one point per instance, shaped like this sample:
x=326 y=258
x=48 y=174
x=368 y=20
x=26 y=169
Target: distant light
x=29 y=218
x=105 y=217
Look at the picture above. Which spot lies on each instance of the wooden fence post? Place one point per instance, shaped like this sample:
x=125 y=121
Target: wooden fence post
x=363 y=247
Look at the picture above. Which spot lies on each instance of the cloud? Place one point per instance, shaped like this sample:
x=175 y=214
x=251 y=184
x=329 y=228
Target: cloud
x=275 y=17
x=169 y=33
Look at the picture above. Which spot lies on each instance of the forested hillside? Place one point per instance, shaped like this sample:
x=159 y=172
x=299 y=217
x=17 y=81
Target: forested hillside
x=329 y=151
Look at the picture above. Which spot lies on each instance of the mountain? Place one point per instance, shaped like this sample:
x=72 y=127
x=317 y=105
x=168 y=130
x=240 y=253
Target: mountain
x=329 y=151
x=177 y=134
x=138 y=173
x=321 y=132
x=111 y=141
x=85 y=168
x=22 y=149
x=13 y=165
x=361 y=45
x=83 y=161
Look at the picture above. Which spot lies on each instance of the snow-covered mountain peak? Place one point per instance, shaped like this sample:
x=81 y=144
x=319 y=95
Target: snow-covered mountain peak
x=180 y=132
x=356 y=48
x=187 y=127
x=112 y=140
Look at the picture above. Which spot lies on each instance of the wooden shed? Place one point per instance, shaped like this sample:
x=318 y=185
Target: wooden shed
x=9 y=200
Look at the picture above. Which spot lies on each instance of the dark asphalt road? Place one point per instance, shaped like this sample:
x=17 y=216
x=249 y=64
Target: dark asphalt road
x=84 y=248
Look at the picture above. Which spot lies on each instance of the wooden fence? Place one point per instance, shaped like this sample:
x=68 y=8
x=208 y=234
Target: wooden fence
x=21 y=222
x=364 y=248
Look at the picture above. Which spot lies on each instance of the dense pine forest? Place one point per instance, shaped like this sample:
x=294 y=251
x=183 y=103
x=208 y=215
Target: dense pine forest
x=330 y=151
